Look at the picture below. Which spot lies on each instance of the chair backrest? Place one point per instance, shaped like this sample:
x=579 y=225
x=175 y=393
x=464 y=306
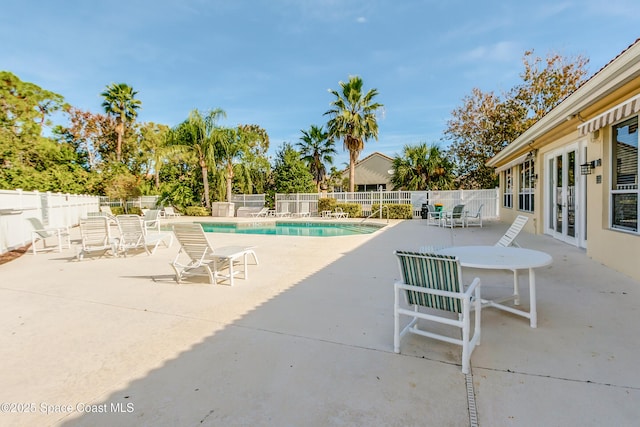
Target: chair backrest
x=433 y=271
x=131 y=229
x=478 y=214
x=457 y=211
x=193 y=240
x=95 y=231
x=39 y=228
x=106 y=209
x=169 y=210
x=513 y=231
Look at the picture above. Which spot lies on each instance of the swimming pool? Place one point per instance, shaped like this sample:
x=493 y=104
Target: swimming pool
x=306 y=228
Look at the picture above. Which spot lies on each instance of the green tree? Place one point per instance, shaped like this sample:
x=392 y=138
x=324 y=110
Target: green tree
x=290 y=174
x=154 y=144
x=486 y=122
x=196 y=136
x=422 y=167
x=233 y=147
x=353 y=119
x=317 y=150
x=119 y=102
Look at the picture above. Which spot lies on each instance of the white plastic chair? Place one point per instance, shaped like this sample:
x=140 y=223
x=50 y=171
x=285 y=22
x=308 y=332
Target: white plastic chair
x=40 y=231
x=133 y=235
x=95 y=234
x=434 y=281
x=475 y=219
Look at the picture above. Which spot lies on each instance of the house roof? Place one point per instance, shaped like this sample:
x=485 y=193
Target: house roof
x=372 y=169
x=619 y=71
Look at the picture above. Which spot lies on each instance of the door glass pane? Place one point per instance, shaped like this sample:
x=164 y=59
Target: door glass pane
x=571 y=194
x=558 y=200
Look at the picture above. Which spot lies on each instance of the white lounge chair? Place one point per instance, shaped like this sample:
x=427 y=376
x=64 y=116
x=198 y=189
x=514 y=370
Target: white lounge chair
x=133 y=235
x=40 y=231
x=339 y=213
x=151 y=220
x=105 y=210
x=170 y=212
x=510 y=235
x=264 y=212
x=95 y=234
x=434 y=281
x=204 y=260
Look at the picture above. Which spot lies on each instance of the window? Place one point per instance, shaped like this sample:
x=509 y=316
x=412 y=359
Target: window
x=525 y=187
x=624 y=169
x=507 y=198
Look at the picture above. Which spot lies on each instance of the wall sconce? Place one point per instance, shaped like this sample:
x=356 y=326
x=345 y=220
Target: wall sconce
x=575 y=116
x=586 y=168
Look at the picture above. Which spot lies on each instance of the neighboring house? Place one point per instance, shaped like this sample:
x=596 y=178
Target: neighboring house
x=372 y=173
x=575 y=171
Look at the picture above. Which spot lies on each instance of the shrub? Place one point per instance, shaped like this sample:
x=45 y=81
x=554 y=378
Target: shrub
x=196 y=211
x=396 y=211
x=353 y=209
x=326 y=204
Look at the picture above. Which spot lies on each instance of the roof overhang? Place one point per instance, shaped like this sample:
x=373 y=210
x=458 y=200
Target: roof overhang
x=619 y=71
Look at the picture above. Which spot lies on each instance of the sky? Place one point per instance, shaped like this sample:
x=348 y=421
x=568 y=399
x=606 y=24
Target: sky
x=272 y=62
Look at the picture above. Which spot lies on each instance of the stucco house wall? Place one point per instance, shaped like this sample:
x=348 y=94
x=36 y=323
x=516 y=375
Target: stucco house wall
x=581 y=126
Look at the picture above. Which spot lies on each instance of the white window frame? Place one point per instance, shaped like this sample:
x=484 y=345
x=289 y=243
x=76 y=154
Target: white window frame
x=507 y=196
x=627 y=188
x=526 y=186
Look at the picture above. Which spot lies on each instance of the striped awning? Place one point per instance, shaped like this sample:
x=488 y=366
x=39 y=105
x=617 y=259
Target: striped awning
x=619 y=112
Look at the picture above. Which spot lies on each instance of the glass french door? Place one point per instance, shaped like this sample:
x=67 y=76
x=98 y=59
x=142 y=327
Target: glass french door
x=565 y=213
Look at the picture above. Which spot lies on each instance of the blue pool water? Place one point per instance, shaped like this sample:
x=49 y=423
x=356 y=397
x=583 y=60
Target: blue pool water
x=316 y=229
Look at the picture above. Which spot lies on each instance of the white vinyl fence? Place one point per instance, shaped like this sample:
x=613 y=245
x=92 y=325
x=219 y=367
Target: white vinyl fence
x=472 y=199
x=53 y=209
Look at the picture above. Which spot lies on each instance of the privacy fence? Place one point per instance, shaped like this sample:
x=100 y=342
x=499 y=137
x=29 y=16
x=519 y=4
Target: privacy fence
x=472 y=199
x=65 y=210
x=53 y=209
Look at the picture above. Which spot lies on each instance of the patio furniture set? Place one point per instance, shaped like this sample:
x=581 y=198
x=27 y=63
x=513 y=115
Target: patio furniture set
x=458 y=216
x=431 y=278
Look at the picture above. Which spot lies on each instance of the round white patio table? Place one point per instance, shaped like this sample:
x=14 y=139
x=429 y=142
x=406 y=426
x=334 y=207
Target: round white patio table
x=505 y=258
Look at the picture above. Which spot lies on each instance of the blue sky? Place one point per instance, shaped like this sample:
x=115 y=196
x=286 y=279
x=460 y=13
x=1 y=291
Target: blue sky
x=271 y=62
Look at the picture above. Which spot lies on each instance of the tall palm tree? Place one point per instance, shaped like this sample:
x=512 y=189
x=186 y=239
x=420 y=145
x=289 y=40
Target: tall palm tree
x=353 y=118
x=197 y=135
x=316 y=149
x=119 y=101
x=422 y=167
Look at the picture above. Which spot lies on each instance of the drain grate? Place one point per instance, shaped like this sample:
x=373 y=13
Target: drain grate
x=471 y=401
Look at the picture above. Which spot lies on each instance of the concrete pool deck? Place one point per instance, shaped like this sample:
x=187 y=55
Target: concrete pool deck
x=307 y=340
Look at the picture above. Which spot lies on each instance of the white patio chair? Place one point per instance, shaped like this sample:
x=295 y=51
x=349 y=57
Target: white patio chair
x=105 y=210
x=133 y=235
x=204 y=260
x=433 y=216
x=95 y=234
x=455 y=217
x=434 y=281
x=475 y=219
x=40 y=231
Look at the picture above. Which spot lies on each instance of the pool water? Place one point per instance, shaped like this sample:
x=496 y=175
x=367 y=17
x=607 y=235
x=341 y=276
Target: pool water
x=314 y=229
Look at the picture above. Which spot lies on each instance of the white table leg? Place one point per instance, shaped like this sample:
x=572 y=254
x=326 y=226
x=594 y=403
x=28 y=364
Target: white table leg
x=532 y=299
x=516 y=288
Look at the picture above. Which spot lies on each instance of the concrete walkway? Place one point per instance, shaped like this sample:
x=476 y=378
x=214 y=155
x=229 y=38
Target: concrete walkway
x=308 y=341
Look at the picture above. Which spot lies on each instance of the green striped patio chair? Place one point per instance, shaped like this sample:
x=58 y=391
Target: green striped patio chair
x=433 y=281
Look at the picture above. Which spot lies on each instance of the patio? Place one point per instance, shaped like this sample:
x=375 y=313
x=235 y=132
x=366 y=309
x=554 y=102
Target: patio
x=308 y=340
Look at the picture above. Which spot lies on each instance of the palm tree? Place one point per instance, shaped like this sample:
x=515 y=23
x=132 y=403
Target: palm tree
x=197 y=135
x=353 y=118
x=119 y=101
x=316 y=149
x=422 y=167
